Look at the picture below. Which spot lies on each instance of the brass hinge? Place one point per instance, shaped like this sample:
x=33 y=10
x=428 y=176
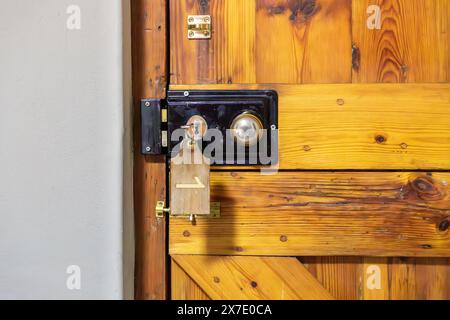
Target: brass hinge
x=161 y=211
x=199 y=27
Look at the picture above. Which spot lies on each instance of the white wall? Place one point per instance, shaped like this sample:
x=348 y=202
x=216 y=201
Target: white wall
x=64 y=150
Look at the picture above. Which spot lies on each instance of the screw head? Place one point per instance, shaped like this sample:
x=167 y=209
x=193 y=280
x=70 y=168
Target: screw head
x=147 y=104
x=206 y=19
x=273 y=127
x=191 y=19
x=186 y=93
x=148 y=149
x=191 y=34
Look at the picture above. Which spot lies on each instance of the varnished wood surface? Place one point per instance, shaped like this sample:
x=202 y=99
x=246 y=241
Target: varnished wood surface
x=263 y=41
x=401 y=278
x=413 y=44
x=315 y=44
x=150 y=73
x=252 y=278
x=149 y=81
x=360 y=126
x=341 y=276
x=322 y=214
x=183 y=287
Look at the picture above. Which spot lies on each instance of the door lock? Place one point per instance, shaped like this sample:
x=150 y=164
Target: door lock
x=240 y=127
x=198 y=129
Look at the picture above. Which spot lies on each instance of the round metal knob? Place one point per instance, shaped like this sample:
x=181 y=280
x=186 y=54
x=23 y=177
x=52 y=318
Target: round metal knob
x=247 y=129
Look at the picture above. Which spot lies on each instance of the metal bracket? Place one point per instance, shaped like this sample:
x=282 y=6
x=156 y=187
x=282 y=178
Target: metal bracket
x=161 y=211
x=199 y=27
x=153 y=127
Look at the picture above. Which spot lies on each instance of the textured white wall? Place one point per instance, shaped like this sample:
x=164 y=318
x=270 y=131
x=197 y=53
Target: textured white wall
x=64 y=150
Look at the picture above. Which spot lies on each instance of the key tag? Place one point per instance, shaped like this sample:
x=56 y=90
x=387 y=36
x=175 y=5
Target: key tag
x=189 y=174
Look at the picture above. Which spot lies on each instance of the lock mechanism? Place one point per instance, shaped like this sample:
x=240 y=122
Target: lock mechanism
x=199 y=129
x=243 y=125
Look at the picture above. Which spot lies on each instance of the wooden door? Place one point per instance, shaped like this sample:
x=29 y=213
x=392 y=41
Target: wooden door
x=360 y=207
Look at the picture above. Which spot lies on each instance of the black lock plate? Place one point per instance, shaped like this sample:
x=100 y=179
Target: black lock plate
x=219 y=109
x=151 y=138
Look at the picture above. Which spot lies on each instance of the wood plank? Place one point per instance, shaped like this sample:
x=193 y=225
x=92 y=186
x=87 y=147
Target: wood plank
x=329 y=214
x=432 y=279
x=149 y=32
x=413 y=44
x=149 y=81
x=402 y=279
x=252 y=278
x=420 y=278
x=339 y=275
x=346 y=277
x=361 y=126
x=247 y=45
x=183 y=287
x=313 y=46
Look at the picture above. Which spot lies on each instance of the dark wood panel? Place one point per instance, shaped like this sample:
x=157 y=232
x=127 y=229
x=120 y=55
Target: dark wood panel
x=149 y=81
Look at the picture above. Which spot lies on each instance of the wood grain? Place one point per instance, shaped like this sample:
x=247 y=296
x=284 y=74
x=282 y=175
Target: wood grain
x=413 y=44
x=401 y=278
x=149 y=31
x=432 y=279
x=419 y=278
x=183 y=287
x=323 y=214
x=314 y=45
x=263 y=41
x=149 y=81
x=252 y=278
x=339 y=275
x=403 y=282
x=256 y=42
x=360 y=126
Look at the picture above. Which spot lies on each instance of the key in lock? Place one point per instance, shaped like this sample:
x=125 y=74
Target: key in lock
x=190 y=174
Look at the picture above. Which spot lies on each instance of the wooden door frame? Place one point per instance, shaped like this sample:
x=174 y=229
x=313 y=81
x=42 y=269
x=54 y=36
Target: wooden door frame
x=150 y=74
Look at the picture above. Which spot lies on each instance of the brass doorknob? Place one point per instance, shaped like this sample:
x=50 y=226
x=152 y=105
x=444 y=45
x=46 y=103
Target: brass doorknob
x=247 y=129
